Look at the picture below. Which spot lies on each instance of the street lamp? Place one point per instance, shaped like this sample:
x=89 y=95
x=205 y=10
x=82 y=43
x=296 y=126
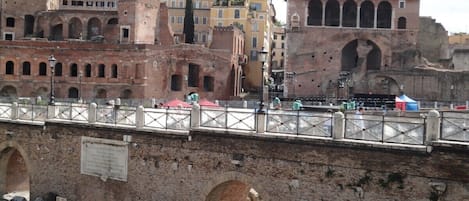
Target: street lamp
x=52 y=61
x=262 y=57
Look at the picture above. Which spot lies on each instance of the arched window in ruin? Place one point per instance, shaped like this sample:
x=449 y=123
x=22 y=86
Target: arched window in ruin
x=14 y=175
x=101 y=70
x=193 y=75
x=367 y=14
x=10 y=68
x=233 y=190
x=402 y=23
x=332 y=13
x=26 y=68
x=72 y=92
x=355 y=53
x=42 y=69
x=58 y=69
x=73 y=70
x=349 y=16
x=88 y=70
x=28 y=25
x=176 y=82
x=8 y=91
x=101 y=94
x=56 y=32
x=113 y=21
x=75 y=28
x=314 y=13
x=94 y=28
x=114 y=71
x=384 y=15
x=126 y=94
x=373 y=59
x=350 y=56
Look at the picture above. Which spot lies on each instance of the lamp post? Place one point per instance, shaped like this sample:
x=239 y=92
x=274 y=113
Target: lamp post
x=52 y=61
x=262 y=56
x=80 y=75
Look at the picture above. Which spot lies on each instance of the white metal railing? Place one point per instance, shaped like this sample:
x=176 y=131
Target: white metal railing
x=420 y=130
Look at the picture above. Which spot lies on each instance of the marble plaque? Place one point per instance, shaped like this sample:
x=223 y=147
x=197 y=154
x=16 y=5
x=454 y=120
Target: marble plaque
x=104 y=158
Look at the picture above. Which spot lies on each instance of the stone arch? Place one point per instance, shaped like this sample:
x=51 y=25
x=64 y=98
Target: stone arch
x=349 y=18
x=75 y=28
x=367 y=14
x=113 y=21
x=126 y=94
x=402 y=23
x=332 y=13
x=384 y=15
x=101 y=93
x=73 y=92
x=56 y=29
x=314 y=13
x=14 y=169
x=9 y=68
x=385 y=85
x=359 y=52
x=9 y=91
x=230 y=183
x=94 y=28
x=43 y=92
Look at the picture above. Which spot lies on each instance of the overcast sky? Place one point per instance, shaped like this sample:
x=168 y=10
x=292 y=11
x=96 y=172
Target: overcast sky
x=453 y=14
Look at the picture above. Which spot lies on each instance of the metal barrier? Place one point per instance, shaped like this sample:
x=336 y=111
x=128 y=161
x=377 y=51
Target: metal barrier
x=73 y=112
x=31 y=112
x=404 y=130
x=228 y=118
x=299 y=123
x=5 y=111
x=177 y=119
x=455 y=126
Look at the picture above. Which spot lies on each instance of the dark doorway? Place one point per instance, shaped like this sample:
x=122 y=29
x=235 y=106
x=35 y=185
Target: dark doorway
x=315 y=13
x=349 y=18
x=28 y=25
x=384 y=15
x=367 y=14
x=332 y=13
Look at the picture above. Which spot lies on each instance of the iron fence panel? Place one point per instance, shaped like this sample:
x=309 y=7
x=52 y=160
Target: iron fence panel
x=126 y=116
x=279 y=121
x=5 y=111
x=228 y=118
x=364 y=127
x=177 y=119
x=300 y=123
x=105 y=114
x=455 y=126
x=404 y=130
x=32 y=112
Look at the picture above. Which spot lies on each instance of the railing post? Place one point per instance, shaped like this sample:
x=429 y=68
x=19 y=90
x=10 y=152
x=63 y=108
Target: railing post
x=140 y=117
x=195 y=116
x=435 y=105
x=92 y=113
x=245 y=104
x=14 y=111
x=260 y=122
x=51 y=111
x=338 y=129
x=432 y=127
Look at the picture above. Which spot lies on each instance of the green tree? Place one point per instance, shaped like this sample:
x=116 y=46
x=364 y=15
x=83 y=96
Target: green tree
x=189 y=23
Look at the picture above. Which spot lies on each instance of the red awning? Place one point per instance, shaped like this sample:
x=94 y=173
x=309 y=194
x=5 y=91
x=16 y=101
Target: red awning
x=176 y=103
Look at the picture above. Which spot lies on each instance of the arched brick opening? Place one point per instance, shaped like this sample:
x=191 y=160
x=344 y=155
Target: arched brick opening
x=349 y=18
x=315 y=13
x=8 y=91
x=357 y=52
x=385 y=85
x=101 y=94
x=332 y=13
x=367 y=14
x=28 y=25
x=72 y=92
x=402 y=23
x=222 y=187
x=94 y=28
x=384 y=15
x=126 y=94
x=14 y=171
x=75 y=28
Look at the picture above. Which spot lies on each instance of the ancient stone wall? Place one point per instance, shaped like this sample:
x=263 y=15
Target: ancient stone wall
x=172 y=166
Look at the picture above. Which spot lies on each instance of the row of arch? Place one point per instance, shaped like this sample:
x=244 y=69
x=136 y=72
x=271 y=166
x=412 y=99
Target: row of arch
x=76 y=29
x=58 y=69
x=350 y=14
x=72 y=92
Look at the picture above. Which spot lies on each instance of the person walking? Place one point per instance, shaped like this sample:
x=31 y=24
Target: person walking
x=277 y=103
x=297 y=105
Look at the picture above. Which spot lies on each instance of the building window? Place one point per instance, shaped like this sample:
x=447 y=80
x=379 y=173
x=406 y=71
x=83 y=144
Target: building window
x=176 y=83
x=254 y=42
x=10 y=68
x=193 y=77
x=402 y=23
x=283 y=37
x=173 y=20
x=401 y=3
x=180 y=19
x=236 y=14
x=10 y=22
x=74 y=70
x=208 y=83
x=255 y=6
x=125 y=33
x=220 y=13
x=72 y=92
x=283 y=45
x=196 y=20
x=196 y=37
x=88 y=70
x=255 y=26
x=173 y=4
x=65 y=2
x=204 y=20
x=42 y=69
x=26 y=68
x=114 y=71
x=181 y=4
x=275 y=36
x=253 y=55
x=204 y=37
x=58 y=69
x=101 y=70
x=274 y=45
x=8 y=36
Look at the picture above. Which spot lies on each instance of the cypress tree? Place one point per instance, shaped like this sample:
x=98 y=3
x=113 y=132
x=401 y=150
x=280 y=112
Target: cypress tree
x=189 y=23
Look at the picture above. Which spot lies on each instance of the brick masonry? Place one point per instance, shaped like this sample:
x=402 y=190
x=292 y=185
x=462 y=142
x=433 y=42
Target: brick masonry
x=169 y=166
